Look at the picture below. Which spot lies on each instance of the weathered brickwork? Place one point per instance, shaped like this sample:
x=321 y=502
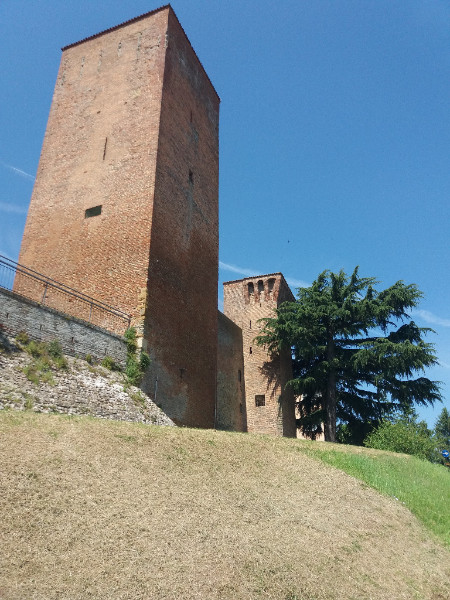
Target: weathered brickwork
x=182 y=293
x=269 y=407
x=133 y=129
x=41 y=323
x=230 y=408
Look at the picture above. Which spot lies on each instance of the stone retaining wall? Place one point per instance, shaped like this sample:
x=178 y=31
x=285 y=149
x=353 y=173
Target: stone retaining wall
x=81 y=389
x=77 y=337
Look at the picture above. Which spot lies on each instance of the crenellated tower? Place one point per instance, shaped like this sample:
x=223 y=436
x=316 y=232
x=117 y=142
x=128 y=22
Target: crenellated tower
x=269 y=406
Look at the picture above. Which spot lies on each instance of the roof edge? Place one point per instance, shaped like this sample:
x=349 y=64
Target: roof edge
x=133 y=20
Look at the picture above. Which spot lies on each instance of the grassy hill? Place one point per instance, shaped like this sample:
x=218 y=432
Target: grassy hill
x=103 y=509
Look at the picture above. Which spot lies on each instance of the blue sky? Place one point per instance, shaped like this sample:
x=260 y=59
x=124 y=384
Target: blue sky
x=334 y=133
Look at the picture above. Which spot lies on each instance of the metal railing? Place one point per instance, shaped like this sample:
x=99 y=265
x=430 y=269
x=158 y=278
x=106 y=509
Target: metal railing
x=53 y=294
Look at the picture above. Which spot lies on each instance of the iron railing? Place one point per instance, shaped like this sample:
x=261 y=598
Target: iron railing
x=53 y=294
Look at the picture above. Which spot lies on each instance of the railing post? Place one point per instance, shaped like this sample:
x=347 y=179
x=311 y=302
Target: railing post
x=45 y=293
x=90 y=312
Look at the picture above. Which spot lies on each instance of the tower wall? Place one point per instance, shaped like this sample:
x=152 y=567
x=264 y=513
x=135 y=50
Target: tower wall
x=230 y=407
x=100 y=149
x=133 y=128
x=269 y=406
x=181 y=327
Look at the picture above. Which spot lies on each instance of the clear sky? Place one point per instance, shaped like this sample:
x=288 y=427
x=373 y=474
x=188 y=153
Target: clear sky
x=334 y=133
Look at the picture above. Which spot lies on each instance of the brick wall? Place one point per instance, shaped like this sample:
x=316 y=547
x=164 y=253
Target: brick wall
x=133 y=128
x=181 y=328
x=100 y=148
x=44 y=324
x=269 y=406
x=230 y=408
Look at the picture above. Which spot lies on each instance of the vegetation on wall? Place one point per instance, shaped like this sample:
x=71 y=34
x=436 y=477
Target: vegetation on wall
x=357 y=355
x=137 y=363
x=47 y=357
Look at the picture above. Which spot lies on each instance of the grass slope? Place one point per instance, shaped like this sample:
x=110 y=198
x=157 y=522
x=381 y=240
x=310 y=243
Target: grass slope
x=102 y=509
x=421 y=486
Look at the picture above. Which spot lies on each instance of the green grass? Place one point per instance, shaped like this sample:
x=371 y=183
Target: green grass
x=424 y=488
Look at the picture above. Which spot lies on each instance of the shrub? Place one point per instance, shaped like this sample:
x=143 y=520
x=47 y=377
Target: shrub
x=404 y=435
x=54 y=348
x=22 y=337
x=31 y=373
x=130 y=337
x=136 y=365
x=109 y=363
x=61 y=363
x=132 y=370
x=88 y=358
x=144 y=361
x=35 y=349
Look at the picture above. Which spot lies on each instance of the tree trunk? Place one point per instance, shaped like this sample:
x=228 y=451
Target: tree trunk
x=330 y=406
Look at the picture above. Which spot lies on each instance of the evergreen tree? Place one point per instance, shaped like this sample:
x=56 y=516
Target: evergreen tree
x=356 y=352
x=442 y=429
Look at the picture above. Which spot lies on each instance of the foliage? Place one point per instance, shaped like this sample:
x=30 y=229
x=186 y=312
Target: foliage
x=131 y=339
x=54 y=348
x=47 y=357
x=109 y=363
x=136 y=364
x=22 y=337
x=405 y=434
x=356 y=353
x=442 y=429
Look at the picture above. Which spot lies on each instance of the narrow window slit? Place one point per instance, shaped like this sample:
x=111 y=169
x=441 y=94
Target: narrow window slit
x=93 y=212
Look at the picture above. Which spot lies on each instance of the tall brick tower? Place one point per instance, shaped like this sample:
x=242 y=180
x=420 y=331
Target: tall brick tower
x=269 y=406
x=125 y=205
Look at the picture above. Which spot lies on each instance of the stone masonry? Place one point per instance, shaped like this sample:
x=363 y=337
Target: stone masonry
x=81 y=389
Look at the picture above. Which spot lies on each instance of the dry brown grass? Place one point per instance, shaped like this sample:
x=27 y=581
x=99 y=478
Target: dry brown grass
x=98 y=509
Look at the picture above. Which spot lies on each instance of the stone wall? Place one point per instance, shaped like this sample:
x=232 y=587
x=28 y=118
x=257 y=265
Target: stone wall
x=230 y=404
x=44 y=324
x=80 y=389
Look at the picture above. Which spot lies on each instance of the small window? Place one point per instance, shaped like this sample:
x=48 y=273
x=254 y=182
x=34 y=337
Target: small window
x=260 y=400
x=191 y=177
x=260 y=287
x=93 y=212
x=251 y=289
x=271 y=283
x=239 y=375
x=251 y=350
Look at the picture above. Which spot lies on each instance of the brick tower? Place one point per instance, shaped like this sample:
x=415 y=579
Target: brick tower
x=125 y=204
x=269 y=407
